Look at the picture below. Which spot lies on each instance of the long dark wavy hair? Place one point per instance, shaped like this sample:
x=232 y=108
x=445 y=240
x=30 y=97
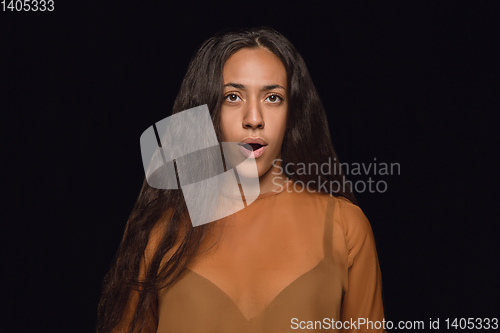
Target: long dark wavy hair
x=139 y=272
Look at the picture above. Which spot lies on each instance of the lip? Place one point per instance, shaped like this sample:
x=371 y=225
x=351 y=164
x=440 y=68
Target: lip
x=255 y=139
x=253 y=153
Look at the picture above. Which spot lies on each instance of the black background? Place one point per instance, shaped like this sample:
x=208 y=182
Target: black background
x=414 y=83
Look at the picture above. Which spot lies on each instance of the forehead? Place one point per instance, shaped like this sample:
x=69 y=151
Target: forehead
x=254 y=66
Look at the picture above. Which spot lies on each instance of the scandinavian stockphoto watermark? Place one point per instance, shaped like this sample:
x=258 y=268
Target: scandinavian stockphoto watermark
x=365 y=324
x=333 y=167
x=217 y=179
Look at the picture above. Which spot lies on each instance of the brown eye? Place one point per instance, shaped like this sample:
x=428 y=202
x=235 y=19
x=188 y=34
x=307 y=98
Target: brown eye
x=274 y=99
x=232 y=97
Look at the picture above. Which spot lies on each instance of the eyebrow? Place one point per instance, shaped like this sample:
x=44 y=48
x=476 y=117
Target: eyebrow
x=243 y=87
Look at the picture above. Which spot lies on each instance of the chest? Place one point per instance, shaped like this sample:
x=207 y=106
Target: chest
x=253 y=266
x=197 y=304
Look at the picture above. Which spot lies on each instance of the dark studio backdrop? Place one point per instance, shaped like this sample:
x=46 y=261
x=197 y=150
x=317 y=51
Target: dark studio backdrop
x=414 y=83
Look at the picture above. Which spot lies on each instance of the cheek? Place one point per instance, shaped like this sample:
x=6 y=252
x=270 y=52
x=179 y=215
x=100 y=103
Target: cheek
x=278 y=135
x=228 y=127
x=281 y=128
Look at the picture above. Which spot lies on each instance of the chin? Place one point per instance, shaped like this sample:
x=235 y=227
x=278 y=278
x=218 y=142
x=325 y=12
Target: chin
x=248 y=170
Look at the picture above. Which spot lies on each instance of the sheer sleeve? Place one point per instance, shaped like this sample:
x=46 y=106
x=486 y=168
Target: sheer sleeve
x=151 y=315
x=128 y=314
x=362 y=302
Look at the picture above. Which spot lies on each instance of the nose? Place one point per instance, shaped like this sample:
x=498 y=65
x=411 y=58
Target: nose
x=253 y=118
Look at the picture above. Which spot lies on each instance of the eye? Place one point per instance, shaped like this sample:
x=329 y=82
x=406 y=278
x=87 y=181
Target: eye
x=274 y=99
x=232 y=98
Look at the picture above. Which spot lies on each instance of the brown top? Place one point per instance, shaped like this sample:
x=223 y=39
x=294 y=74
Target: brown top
x=289 y=260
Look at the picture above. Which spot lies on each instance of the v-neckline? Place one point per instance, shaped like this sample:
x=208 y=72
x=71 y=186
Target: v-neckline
x=263 y=311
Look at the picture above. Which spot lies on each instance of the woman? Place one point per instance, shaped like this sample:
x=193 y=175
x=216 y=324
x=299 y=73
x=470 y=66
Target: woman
x=301 y=256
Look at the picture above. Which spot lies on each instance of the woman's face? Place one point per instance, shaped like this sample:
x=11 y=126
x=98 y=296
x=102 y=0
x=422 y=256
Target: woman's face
x=255 y=105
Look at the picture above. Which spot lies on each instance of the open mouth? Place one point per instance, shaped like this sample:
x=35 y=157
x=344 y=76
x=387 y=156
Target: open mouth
x=254 y=146
x=250 y=150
